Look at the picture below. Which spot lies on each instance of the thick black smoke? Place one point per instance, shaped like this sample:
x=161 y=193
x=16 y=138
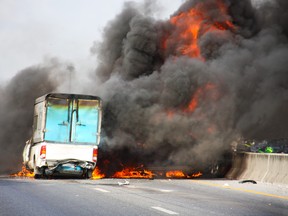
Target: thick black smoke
x=148 y=86
x=16 y=109
x=241 y=87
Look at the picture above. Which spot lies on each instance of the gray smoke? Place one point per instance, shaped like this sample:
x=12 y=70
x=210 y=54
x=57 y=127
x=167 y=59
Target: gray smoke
x=240 y=89
x=16 y=109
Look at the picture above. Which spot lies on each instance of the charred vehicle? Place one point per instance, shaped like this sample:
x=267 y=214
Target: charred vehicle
x=66 y=135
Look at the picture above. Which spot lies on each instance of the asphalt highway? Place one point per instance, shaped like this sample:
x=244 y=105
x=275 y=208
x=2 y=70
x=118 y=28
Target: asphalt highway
x=63 y=197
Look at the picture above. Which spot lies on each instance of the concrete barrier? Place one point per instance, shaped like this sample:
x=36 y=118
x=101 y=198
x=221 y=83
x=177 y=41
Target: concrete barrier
x=261 y=167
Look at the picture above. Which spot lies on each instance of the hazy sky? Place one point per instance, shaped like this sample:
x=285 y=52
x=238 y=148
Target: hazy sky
x=31 y=30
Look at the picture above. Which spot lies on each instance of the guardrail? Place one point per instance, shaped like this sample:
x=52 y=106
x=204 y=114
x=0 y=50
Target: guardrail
x=272 y=168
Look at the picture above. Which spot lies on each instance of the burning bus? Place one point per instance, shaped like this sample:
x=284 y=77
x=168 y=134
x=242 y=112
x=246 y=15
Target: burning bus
x=66 y=135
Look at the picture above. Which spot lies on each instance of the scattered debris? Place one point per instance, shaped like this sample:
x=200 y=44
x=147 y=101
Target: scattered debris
x=123 y=183
x=226 y=185
x=247 y=181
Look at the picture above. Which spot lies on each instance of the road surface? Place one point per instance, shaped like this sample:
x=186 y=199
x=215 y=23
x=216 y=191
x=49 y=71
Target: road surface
x=63 y=197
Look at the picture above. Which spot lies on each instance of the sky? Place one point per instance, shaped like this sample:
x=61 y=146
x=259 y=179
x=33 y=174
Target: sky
x=32 y=30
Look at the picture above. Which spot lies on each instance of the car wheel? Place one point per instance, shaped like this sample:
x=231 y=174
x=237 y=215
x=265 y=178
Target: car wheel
x=38 y=173
x=88 y=174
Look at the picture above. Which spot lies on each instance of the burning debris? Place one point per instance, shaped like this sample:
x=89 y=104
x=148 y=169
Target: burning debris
x=23 y=173
x=178 y=92
x=181 y=174
x=133 y=173
x=142 y=173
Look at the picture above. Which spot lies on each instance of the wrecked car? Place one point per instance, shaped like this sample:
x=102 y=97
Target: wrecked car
x=66 y=135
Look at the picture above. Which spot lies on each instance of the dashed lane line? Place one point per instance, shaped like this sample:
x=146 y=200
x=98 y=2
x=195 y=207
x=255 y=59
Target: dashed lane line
x=165 y=191
x=164 y=210
x=101 y=190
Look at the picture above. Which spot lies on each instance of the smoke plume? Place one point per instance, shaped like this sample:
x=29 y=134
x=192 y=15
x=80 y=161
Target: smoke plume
x=169 y=104
x=177 y=91
x=16 y=109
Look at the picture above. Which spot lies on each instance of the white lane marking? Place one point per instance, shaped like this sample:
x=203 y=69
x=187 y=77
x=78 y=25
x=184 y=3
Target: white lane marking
x=101 y=190
x=164 y=210
x=166 y=191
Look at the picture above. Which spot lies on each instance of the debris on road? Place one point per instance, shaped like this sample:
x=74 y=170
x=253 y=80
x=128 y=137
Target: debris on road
x=123 y=183
x=247 y=181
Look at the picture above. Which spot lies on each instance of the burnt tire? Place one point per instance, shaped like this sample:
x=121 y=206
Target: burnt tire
x=37 y=176
x=88 y=174
x=38 y=173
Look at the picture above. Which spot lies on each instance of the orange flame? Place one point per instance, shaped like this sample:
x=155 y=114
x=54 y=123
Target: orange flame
x=190 y=33
x=125 y=173
x=23 y=173
x=97 y=174
x=208 y=88
x=194 y=102
x=181 y=174
x=192 y=24
x=175 y=174
x=195 y=175
x=133 y=173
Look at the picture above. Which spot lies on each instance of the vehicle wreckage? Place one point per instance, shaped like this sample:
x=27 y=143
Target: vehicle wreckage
x=66 y=135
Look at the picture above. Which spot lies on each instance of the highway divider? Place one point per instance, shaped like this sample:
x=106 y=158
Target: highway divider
x=272 y=168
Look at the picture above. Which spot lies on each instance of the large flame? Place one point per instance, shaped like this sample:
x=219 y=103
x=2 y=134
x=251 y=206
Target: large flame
x=137 y=173
x=189 y=26
x=143 y=173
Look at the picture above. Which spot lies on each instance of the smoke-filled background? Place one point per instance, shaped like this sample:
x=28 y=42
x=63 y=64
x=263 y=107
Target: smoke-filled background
x=16 y=108
x=165 y=103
